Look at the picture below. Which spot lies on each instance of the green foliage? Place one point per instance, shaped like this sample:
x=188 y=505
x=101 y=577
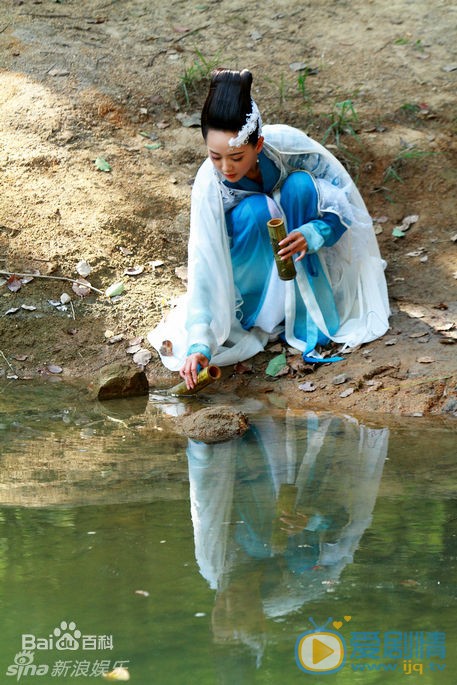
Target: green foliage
x=408 y=152
x=342 y=120
x=200 y=70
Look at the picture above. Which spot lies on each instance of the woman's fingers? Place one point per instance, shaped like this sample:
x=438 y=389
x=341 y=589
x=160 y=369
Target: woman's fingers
x=291 y=244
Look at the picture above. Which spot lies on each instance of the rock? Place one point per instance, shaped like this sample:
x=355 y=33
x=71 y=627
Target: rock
x=214 y=424
x=119 y=380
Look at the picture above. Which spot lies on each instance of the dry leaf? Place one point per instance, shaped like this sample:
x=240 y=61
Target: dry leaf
x=12 y=310
x=81 y=287
x=307 y=387
x=241 y=368
x=83 y=268
x=53 y=368
x=28 y=307
x=425 y=360
x=134 y=270
x=133 y=348
x=347 y=392
x=14 y=283
x=142 y=357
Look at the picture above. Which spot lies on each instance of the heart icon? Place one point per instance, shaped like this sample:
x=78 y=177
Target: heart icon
x=347 y=618
x=337 y=624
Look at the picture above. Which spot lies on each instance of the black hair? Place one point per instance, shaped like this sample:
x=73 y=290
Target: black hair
x=228 y=103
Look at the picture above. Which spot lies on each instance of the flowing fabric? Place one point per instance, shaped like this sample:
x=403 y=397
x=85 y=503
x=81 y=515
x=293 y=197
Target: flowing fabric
x=208 y=314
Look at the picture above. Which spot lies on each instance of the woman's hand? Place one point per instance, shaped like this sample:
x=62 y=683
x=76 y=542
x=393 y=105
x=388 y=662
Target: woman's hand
x=294 y=242
x=191 y=367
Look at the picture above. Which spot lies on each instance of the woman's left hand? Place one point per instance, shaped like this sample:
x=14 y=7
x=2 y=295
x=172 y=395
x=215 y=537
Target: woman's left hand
x=294 y=242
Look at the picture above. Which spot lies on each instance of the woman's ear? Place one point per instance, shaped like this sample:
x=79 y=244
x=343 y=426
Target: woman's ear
x=259 y=144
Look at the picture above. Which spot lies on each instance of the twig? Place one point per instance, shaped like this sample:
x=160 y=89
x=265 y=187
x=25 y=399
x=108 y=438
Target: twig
x=12 y=369
x=55 y=278
x=189 y=33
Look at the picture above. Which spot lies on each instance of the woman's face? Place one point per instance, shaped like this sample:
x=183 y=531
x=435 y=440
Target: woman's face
x=232 y=162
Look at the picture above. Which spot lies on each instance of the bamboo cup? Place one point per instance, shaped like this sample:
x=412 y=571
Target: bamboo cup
x=286 y=267
x=205 y=377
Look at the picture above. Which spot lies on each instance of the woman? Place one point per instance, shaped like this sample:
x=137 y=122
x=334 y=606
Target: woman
x=236 y=301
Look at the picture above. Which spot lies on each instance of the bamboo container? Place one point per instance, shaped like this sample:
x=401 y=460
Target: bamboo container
x=205 y=377
x=277 y=231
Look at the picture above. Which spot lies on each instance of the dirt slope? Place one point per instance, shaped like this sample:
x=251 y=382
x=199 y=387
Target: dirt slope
x=119 y=81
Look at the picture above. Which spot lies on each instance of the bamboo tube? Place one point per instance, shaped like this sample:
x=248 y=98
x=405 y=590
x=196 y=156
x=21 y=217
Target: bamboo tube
x=277 y=231
x=206 y=376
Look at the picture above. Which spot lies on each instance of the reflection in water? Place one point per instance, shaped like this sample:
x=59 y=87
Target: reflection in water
x=278 y=514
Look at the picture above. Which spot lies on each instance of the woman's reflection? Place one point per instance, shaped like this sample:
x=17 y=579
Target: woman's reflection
x=278 y=513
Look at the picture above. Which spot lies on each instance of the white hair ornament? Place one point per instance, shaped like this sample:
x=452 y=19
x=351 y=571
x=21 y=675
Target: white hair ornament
x=252 y=120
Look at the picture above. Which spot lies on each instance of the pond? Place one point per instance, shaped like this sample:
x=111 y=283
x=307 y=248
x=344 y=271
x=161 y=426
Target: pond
x=314 y=545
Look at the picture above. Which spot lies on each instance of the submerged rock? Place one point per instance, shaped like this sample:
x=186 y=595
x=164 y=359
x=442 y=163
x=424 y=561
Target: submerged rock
x=119 y=380
x=215 y=424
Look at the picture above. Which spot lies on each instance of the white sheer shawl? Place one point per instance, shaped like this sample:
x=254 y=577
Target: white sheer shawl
x=207 y=313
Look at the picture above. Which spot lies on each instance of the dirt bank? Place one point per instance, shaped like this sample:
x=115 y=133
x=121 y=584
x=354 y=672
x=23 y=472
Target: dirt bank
x=118 y=82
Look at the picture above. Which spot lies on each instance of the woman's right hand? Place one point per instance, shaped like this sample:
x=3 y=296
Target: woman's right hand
x=191 y=367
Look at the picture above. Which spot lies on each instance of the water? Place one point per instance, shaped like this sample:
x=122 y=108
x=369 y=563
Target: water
x=121 y=543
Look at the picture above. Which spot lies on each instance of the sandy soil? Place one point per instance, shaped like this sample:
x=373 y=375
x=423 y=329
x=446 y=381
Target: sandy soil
x=120 y=80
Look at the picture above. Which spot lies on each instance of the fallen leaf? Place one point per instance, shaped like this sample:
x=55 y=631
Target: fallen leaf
x=419 y=334
x=189 y=120
x=14 y=283
x=143 y=593
x=53 y=368
x=136 y=341
x=340 y=379
x=347 y=392
x=83 y=268
x=115 y=339
x=241 y=368
x=156 y=263
x=115 y=289
x=81 y=287
x=425 y=360
x=307 y=387
x=398 y=233
x=133 y=348
x=276 y=365
x=102 y=164
x=28 y=307
x=20 y=357
x=392 y=341
x=142 y=357
x=65 y=298
x=12 y=310
x=153 y=146
x=134 y=270
x=181 y=272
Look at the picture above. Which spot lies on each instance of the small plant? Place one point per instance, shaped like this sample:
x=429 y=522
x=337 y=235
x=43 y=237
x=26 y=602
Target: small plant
x=302 y=87
x=341 y=121
x=200 y=70
x=392 y=173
